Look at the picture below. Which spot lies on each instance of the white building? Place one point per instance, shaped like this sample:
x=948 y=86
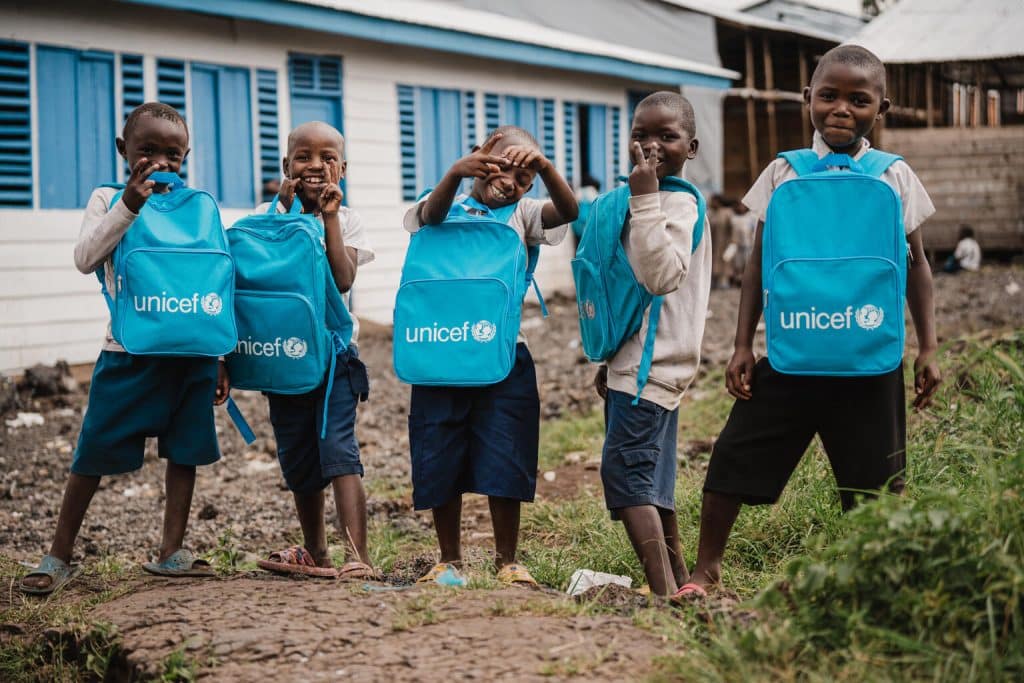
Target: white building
x=411 y=84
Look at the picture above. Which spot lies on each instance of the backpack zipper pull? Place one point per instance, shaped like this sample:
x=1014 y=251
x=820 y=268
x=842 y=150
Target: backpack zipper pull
x=764 y=299
x=118 y=283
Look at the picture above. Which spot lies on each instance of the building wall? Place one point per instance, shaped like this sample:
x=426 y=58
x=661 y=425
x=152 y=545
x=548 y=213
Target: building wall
x=974 y=176
x=48 y=310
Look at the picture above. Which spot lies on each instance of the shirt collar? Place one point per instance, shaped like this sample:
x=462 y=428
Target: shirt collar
x=822 y=149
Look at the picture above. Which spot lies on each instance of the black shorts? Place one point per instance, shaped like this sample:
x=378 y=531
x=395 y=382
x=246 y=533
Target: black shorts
x=862 y=422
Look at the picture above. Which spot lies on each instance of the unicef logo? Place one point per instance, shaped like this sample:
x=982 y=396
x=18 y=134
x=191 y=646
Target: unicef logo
x=484 y=331
x=294 y=347
x=869 y=317
x=588 y=309
x=212 y=305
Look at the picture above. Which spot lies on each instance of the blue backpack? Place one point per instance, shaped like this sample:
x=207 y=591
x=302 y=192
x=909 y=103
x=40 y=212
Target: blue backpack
x=292 y=321
x=610 y=299
x=174 y=277
x=834 y=267
x=458 y=308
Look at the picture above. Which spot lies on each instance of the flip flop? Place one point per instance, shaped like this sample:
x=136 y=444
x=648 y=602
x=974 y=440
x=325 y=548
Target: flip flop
x=689 y=591
x=59 y=571
x=351 y=571
x=512 y=574
x=179 y=564
x=444 y=574
x=296 y=560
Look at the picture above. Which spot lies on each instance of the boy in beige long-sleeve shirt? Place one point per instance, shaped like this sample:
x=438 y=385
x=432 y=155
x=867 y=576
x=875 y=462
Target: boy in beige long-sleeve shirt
x=638 y=463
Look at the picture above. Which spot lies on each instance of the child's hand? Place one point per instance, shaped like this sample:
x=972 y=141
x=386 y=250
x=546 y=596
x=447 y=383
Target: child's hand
x=139 y=187
x=481 y=162
x=601 y=381
x=524 y=156
x=926 y=379
x=286 y=195
x=331 y=195
x=223 y=384
x=644 y=177
x=739 y=375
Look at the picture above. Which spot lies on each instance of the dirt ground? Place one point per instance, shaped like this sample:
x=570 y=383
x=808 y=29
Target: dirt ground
x=245 y=626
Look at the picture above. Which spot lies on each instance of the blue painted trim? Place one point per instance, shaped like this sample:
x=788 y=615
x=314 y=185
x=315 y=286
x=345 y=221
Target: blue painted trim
x=170 y=89
x=569 y=122
x=379 y=30
x=15 y=127
x=616 y=143
x=270 y=146
x=407 y=140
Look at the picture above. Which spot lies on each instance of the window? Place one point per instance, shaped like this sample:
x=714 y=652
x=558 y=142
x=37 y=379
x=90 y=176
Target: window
x=315 y=84
x=593 y=142
x=222 y=158
x=15 y=127
x=435 y=130
x=513 y=110
x=75 y=91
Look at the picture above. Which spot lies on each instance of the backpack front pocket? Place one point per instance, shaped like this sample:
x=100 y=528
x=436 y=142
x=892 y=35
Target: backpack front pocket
x=279 y=347
x=834 y=316
x=592 y=302
x=176 y=302
x=457 y=332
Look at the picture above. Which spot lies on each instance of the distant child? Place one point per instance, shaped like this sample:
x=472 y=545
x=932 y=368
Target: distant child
x=742 y=228
x=719 y=217
x=484 y=439
x=134 y=397
x=312 y=169
x=861 y=419
x=638 y=462
x=968 y=252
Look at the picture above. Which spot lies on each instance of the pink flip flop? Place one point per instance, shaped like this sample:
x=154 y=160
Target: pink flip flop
x=690 y=591
x=296 y=560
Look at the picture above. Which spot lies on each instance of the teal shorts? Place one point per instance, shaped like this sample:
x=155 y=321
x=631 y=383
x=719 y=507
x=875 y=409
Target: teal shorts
x=134 y=397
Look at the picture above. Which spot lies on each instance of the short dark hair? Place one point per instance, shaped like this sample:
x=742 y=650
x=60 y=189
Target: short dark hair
x=677 y=104
x=853 y=55
x=157 y=110
x=966 y=231
x=515 y=133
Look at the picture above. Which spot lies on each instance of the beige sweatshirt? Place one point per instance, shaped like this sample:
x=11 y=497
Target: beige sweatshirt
x=658 y=239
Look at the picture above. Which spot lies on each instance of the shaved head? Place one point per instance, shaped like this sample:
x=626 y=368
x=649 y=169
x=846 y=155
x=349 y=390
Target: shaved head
x=514 y=134
x=676 y=103
x=857 y=56
x=315 y=129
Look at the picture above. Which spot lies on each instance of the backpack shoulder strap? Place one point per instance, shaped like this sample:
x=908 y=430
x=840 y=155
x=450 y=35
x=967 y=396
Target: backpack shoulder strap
x=875 y=162
x=674 y=184
x=504 y=213
x=802 y=160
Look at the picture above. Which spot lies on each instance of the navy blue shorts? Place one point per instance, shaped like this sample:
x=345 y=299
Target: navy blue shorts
x=134 y=397
x=308 y=462
x=638 y=462
x=476 y=439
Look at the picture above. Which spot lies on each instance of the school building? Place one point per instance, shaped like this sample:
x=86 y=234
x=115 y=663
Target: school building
x=412 y=84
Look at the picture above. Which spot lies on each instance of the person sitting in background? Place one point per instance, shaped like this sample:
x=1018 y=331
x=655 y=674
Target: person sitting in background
x=967 y=255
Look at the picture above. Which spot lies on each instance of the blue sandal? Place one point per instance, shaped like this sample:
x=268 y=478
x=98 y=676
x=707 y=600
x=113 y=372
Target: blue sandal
x=180 y=563
x=59 y=571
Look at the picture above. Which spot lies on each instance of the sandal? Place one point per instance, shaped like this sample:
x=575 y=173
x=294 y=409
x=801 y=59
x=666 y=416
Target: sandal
x=689 y=591
x=512 y=574
x=351 y=571
x=178 y=564
x=444 y=574
x=296 y=560
x=59 y=571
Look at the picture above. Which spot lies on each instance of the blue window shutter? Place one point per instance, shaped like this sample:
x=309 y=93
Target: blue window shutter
x=438 y=133
x=132 y=91
x=616 y=169
x=15 y=126
x=492 y=112
x=597 y=144
x=407 y=140
x=569 y=124
x=76 y=125
x=270 y=147
x=315 y=82
x=547 y=129
x=222 y=133
x=170 y=89
x=469 y=119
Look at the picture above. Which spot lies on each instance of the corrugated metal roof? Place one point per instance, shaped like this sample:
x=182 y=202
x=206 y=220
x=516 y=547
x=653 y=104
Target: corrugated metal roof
x=443 y=16
x=754 y=21
x=916 y=31
x=803 y=15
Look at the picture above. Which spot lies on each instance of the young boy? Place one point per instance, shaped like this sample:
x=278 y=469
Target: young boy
x=484 y=439
x=312 y=169
x=861 y=420
x=638 y=462
x=132 y=397
x=967 y=255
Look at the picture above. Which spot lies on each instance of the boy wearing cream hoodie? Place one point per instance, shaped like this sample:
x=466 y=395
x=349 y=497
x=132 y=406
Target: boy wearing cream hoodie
x=638 y=463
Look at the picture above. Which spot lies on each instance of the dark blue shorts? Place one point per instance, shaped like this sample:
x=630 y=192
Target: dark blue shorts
x=476 y=439
x=308 y=462
x=638 y=463
x=133 y=397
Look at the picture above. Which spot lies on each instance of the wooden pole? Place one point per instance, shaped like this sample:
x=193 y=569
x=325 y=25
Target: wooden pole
x=929 y=96
x=751 y=122
x=805 y=117
x=769 y=85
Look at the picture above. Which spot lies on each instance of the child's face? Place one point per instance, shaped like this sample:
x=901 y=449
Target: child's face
x=658 y=129
x=508 y=185
x=845 y=101
x=158 y=140
x=313 y=150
